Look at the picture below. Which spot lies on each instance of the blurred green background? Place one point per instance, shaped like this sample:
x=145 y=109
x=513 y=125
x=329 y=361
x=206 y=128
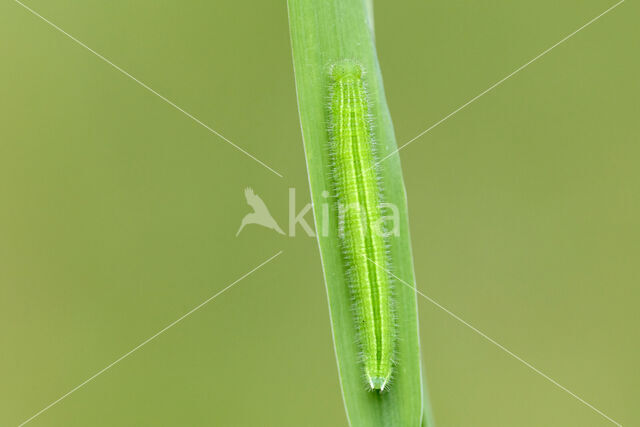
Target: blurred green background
x=118 y=214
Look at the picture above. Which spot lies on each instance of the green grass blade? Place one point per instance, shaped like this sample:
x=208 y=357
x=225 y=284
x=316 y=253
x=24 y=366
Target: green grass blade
x=322 y=33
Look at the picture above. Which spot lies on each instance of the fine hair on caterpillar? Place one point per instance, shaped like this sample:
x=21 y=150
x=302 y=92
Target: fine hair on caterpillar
x=380 y=227
x=361 y=223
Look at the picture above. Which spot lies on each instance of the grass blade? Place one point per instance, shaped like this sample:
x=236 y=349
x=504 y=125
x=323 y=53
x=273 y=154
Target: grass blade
x=323 y=33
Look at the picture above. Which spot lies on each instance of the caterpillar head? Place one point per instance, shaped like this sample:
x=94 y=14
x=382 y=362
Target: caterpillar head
x=346 y=68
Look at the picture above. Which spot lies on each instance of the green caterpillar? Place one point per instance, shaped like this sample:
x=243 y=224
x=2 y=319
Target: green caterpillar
x=363 y=241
